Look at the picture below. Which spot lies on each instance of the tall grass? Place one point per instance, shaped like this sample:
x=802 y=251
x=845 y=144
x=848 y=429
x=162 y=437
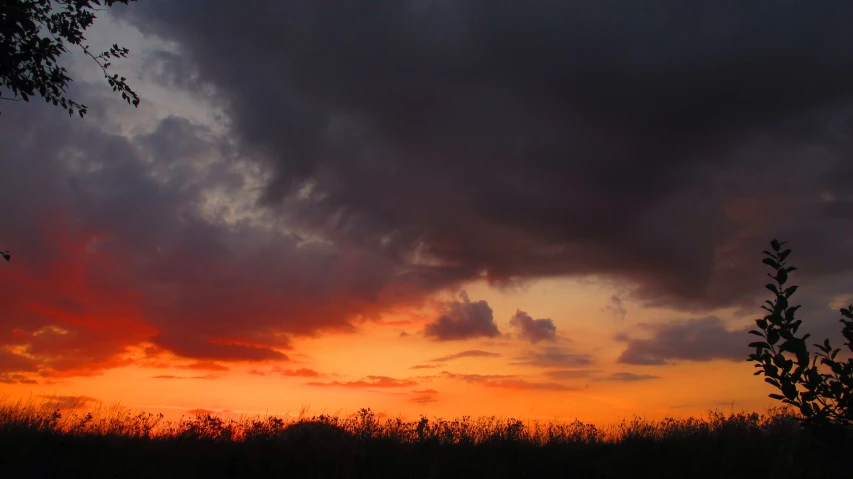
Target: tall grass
x=43 y=441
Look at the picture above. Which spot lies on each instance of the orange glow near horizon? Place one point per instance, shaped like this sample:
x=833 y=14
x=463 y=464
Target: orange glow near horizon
x=404 y=375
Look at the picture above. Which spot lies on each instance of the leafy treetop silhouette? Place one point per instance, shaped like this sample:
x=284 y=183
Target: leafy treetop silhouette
x=35 y=33
x=819 y=386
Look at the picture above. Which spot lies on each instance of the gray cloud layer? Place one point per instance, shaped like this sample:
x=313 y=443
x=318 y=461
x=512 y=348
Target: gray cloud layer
x=702 y=339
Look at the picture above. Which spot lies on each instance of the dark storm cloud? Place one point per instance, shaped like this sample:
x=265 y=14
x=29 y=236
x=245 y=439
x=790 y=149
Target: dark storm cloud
x=511 y=139
x=533 y=330
x=463 y=319
x=703 y=339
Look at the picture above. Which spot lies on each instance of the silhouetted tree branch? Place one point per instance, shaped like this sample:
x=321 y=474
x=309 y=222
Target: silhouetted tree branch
x=35 y=33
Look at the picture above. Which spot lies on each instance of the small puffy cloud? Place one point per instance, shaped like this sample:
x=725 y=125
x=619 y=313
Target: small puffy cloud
x=463 y=319
x=533 y=330
x=702 y=339
x=473 y=353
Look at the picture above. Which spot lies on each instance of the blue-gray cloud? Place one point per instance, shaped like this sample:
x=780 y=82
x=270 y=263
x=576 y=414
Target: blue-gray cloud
x=533 y=330
x=463 y=319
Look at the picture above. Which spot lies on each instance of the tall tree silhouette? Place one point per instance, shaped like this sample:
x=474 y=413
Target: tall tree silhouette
x=34 y=34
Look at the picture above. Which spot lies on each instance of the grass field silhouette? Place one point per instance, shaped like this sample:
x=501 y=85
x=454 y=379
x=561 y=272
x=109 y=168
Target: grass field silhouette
x=39 y=440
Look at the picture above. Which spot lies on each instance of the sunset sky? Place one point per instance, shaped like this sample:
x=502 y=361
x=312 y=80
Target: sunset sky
x=550 y=209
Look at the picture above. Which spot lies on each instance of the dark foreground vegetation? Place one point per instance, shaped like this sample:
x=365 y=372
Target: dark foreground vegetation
x=42 y=442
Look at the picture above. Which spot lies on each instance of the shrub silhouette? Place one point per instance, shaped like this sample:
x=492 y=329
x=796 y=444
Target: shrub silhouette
x=819 y=386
